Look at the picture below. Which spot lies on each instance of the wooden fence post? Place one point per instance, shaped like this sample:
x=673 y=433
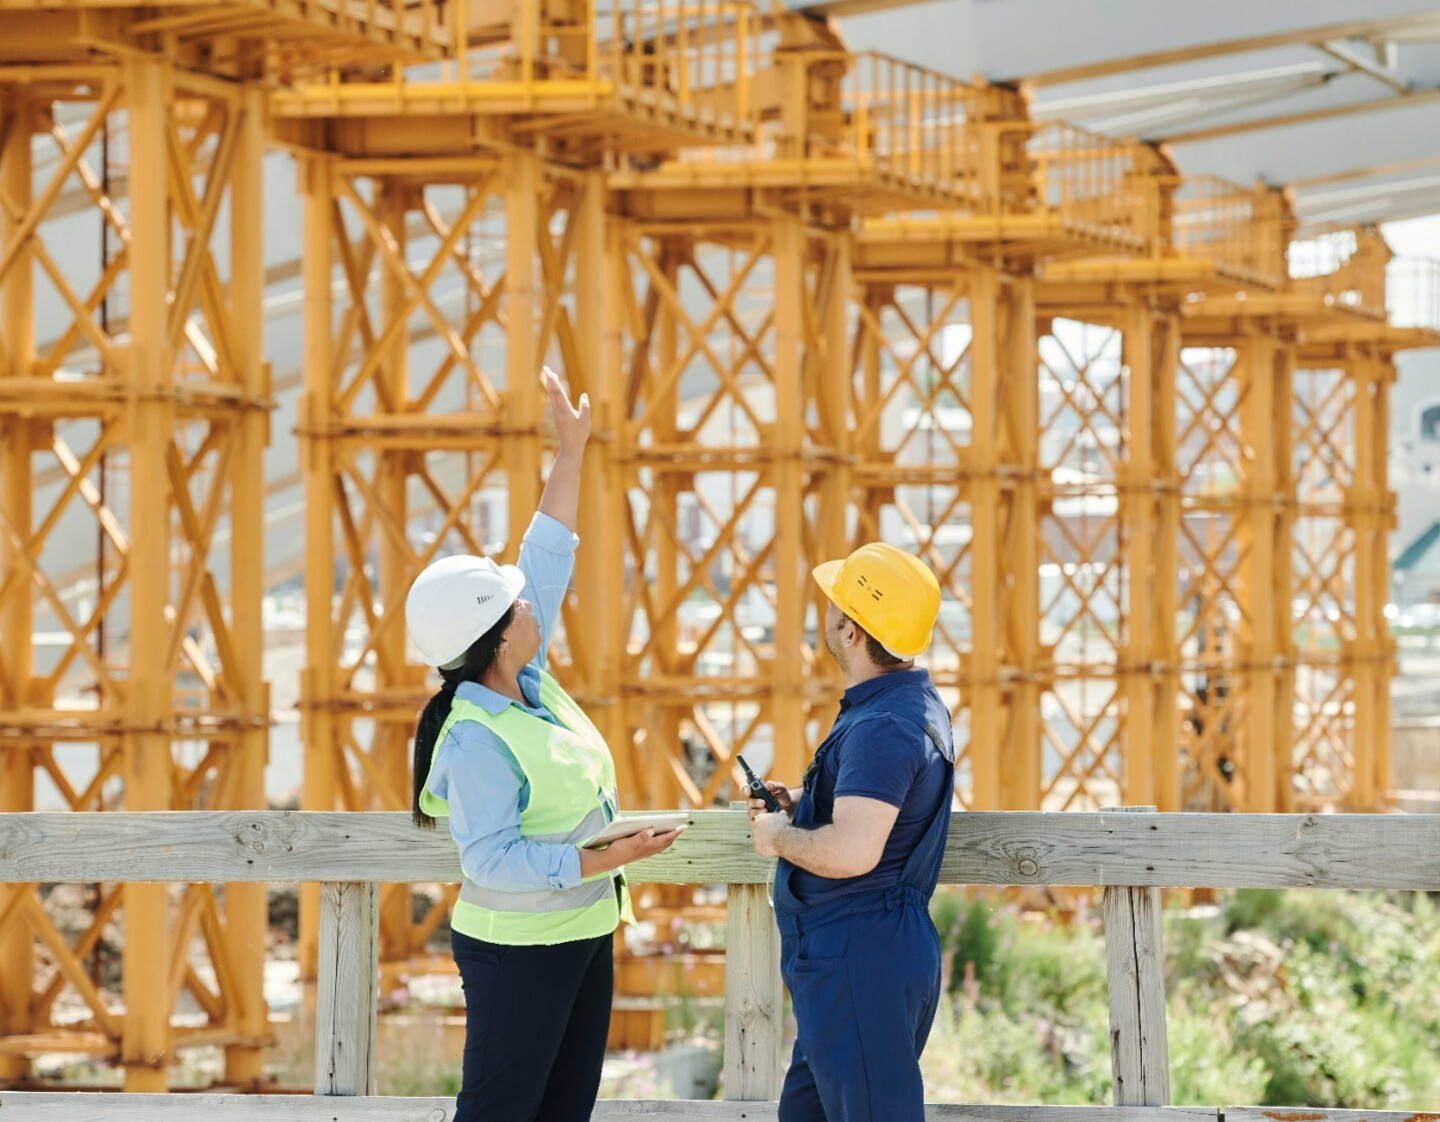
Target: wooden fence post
x=346 y=989
x=1135 y=974
x=754 y=996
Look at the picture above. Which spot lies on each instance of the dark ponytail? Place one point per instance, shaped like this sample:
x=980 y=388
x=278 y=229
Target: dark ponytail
x=478 y=660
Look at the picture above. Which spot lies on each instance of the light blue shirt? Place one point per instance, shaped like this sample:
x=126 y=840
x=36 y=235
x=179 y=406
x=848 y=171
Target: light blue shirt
x=477 y=774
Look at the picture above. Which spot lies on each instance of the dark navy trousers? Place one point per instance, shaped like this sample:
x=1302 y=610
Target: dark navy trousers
x=865 y=986
x=536 y=1022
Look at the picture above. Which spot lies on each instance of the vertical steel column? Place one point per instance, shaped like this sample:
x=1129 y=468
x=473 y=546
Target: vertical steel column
x=1254 y=359
x=523 y=401
x=1149 y=523
x=1136 y=523
x=1165 y=725
x=1366 y=513
x=1380 y=574
x=1264 y=739
x=318 y=732
x=984 y=468
x=872 y=493
x=600 y=574
x=17 y=623
x=662 y=730
x=393 y=203
x=835 y=389
x=788 y=478
x=1020 y=451
x=1282 y=376
x=245 y=915
x=149 y=423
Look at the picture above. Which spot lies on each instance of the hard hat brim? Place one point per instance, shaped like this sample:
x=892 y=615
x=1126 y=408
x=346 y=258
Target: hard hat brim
x=827 y=575
x=515 y=578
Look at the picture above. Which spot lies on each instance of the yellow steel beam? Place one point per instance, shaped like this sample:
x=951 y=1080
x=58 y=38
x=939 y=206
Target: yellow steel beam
x=1262 y=365
x=1142 y=652
x=244 y=937
x=524 y=215
x=146 y=1043
x=596 y=628
x=986 y=729
x=17 y=628
x=390 y=777
x=791 y=576
x=1165 y=738
x=1367 y=523
x=1019 y=451
x=318 y=722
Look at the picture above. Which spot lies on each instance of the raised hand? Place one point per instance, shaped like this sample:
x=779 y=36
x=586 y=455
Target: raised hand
x=572 y=425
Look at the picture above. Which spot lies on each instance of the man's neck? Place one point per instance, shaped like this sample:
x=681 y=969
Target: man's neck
x=869 y=672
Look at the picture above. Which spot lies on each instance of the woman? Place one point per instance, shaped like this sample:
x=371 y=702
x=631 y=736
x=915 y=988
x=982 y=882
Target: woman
x=526 y=780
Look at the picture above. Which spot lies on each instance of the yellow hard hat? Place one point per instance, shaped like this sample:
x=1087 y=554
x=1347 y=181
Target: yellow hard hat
x=892 y=594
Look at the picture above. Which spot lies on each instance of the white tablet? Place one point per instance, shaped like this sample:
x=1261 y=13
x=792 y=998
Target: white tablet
x=634 y=823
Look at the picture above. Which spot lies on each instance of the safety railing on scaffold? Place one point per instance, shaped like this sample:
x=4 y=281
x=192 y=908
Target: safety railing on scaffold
x=1106 y=186
x=882 y=132
x=920 y=127
x=1412 y=292
x=1344 y=266
x=1131 y=855
x=1240 y=231
x=689 y=59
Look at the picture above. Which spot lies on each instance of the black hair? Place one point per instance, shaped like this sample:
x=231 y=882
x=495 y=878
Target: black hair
x=878 y=654
x=478 y=660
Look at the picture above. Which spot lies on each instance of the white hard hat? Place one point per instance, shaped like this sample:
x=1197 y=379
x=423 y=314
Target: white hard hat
x=456 y=600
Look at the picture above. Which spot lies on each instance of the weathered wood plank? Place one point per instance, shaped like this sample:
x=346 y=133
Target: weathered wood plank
x=347 y=989
x=1135 y=977
x=754 y=997
x=279 y=846
x=1364 y=851
x=60 y=1106
x=1195 y=850
x=1324 y=1114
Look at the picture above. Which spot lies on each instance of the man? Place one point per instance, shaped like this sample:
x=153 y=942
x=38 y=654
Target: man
x=860 y=847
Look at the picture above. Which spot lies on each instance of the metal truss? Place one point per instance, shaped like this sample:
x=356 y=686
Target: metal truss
x=142 y=415
x=816 y=298
x=421 y=429
x=731 y=434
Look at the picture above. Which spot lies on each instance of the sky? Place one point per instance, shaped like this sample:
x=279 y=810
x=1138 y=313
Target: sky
x=1415 y=236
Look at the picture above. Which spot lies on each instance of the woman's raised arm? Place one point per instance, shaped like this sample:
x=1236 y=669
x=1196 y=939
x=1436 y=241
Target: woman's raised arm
x=561 y=498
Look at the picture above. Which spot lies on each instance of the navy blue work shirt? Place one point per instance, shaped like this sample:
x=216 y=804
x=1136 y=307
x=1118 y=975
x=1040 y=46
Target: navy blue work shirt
x=878 y=749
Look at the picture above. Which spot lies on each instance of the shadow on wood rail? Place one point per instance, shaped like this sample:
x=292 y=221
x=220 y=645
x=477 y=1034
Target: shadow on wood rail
x=1131 y=853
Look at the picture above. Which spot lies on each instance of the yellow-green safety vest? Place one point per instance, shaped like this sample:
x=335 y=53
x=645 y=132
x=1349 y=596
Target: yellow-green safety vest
x=572 y=798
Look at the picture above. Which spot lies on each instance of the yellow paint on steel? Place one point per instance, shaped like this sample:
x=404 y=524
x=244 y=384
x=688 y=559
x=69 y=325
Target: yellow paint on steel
x=815 y=297
x=17 y=437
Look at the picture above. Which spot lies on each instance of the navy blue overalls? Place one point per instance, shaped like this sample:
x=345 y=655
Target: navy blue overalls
x=863 y=972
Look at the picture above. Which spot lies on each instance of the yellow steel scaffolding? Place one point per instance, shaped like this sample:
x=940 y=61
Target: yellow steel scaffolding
x=1134 y=420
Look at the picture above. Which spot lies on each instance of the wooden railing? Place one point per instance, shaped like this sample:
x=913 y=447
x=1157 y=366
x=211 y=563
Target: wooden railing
x=1131 y=855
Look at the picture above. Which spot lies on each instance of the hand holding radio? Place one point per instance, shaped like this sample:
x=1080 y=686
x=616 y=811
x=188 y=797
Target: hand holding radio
x=765 y=798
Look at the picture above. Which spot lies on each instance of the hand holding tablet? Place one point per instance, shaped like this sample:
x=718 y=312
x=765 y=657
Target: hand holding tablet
x=633 y=824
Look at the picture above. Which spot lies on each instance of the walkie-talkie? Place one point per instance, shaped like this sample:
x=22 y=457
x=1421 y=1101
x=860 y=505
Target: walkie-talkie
x=757 y=789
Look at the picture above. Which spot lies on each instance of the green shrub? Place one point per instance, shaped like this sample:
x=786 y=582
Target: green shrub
x=1275 y=997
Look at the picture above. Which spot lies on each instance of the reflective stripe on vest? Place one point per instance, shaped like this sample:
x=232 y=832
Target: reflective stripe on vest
x=572 y=797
